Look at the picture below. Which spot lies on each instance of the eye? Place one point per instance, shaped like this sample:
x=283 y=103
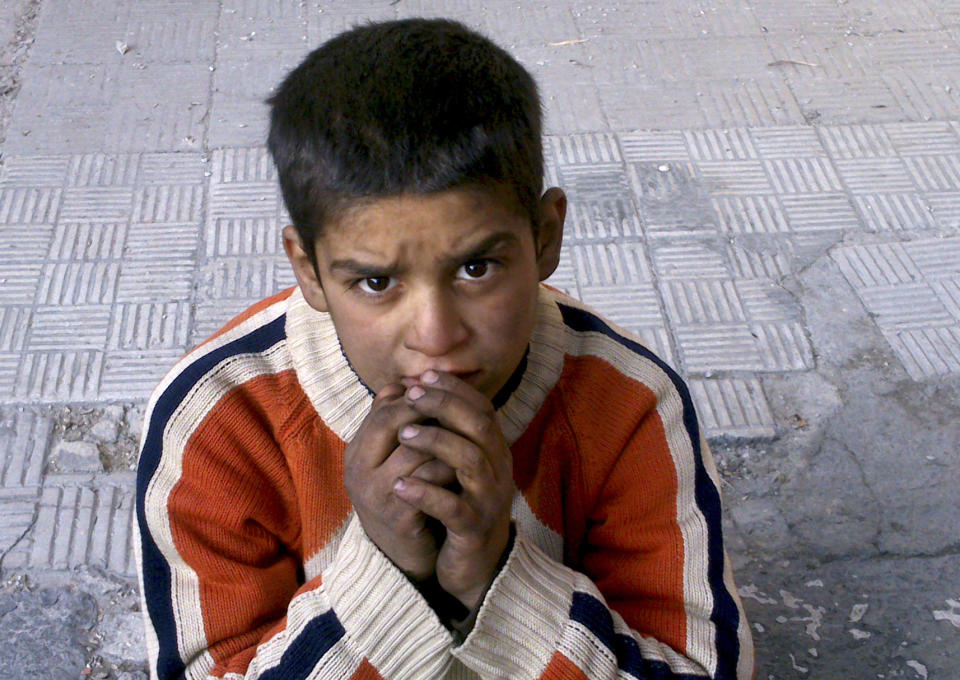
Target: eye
x=475 y=269
x=375 y=284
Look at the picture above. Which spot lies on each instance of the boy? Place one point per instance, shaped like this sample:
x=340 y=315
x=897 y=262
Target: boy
x=420 y=463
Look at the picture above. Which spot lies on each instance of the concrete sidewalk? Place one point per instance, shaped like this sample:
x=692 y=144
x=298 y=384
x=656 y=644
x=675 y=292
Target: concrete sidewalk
x=768 y=193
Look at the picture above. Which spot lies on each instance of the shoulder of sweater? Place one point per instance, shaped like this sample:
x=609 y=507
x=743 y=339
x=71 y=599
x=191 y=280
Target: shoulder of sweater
x=590 y=340
x=251 y=348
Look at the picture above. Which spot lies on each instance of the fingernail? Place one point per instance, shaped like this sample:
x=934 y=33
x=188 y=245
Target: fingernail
x=416 y=391
x=409 y=432
x=430 y=377
x=400 y=484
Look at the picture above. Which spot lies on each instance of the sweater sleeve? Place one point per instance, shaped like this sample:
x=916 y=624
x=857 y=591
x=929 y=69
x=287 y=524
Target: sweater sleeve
x=652 y=595
x=221 y=576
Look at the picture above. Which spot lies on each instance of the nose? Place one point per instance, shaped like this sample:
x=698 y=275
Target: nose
x=436 y=325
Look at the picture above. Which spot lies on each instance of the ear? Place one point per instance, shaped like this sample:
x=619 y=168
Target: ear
x=553 y=211
x=304 y=270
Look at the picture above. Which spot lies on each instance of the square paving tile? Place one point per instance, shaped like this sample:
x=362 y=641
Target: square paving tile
x=895 y=212
x=732 y=407
x=603 y=220
x=788 y=141
x=57 y=376
x=912 y=289
x=610 y=264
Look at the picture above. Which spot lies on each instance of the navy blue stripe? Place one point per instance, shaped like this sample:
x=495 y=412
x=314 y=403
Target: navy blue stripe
x=725 y=616
x=595 y=617
x=156 y=571
x=306 y=650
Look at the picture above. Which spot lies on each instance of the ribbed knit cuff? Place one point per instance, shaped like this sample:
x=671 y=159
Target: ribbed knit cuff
x=522 y=617
x=388 y=621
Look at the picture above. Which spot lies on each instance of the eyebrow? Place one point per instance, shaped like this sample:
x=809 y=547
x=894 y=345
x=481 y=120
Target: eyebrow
x=479 y=251
x=363 y=269
x=482 y=249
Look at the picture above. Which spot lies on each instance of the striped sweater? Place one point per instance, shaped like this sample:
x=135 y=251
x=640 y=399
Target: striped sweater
x=252 y=564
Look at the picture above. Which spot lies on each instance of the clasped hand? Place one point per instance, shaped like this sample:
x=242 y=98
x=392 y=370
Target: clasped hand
x=434 y=450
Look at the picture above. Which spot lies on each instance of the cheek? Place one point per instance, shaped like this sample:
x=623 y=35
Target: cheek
x=509 y=321
x=366 y=343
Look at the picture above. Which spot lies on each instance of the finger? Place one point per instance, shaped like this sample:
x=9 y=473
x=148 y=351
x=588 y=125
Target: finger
x=389 y=392
x=473 y=469
x=436 y=472
x=377 y=436
x=445 y=506
x=457 y=410
x=453 y=384
x=403 y=461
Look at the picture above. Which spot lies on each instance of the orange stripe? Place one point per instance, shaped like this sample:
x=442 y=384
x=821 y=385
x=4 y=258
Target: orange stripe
x=628 y=502
x=242 y=543
x=315 y=458
x=562 y=668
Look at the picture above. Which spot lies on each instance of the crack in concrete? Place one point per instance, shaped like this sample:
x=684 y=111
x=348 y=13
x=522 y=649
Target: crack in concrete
x=878 y=525
x=886 y=555
x=23 y=39
x=21 y=537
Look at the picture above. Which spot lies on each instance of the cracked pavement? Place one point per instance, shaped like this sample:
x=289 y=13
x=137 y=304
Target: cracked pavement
x=767 y=193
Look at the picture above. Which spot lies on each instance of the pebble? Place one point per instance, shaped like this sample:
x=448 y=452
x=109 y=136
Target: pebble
x=105 y=431
x=78 y=456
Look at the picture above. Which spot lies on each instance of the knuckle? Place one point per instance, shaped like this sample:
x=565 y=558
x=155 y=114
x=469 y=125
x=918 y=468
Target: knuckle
x=484 y=426
x=429 y=436
x=443 y=399
x=472 y=462
x=457 y=510
x=379 y=417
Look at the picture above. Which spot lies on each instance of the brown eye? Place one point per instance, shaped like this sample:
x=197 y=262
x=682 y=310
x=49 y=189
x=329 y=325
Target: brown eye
x=475 y=270
x=375 y=284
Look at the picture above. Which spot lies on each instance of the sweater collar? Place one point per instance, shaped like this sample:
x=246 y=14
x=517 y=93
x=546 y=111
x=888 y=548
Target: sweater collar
x=342 y=401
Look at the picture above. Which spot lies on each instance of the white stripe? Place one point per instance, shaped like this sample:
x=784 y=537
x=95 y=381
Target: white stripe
x=745 y=661
x=202 y=397
x=548 y=540
x=200 y=666
x=303 y=609
x=586 y=651
x=526 y=608
x=596 y=660
x=321 y=559
x=340 y=661
x=652 y=649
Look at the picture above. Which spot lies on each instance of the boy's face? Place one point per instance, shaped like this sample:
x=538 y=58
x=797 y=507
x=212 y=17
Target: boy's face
x=444 y=281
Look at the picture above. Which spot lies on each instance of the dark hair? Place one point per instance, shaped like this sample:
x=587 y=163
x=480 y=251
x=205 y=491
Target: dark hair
x=416 y=105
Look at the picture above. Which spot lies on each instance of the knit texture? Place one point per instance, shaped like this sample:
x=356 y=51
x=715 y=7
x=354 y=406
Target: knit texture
x=253 y=565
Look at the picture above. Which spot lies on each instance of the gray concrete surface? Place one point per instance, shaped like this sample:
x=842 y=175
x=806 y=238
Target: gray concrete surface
x=768 y=192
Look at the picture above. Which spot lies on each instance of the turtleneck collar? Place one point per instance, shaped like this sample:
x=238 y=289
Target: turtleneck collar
x=343 y=401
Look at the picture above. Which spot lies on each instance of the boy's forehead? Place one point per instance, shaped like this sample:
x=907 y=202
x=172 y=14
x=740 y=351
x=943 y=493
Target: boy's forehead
x=453 y=212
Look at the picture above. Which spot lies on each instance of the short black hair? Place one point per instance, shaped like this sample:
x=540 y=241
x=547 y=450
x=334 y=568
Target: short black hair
x=409 y=106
